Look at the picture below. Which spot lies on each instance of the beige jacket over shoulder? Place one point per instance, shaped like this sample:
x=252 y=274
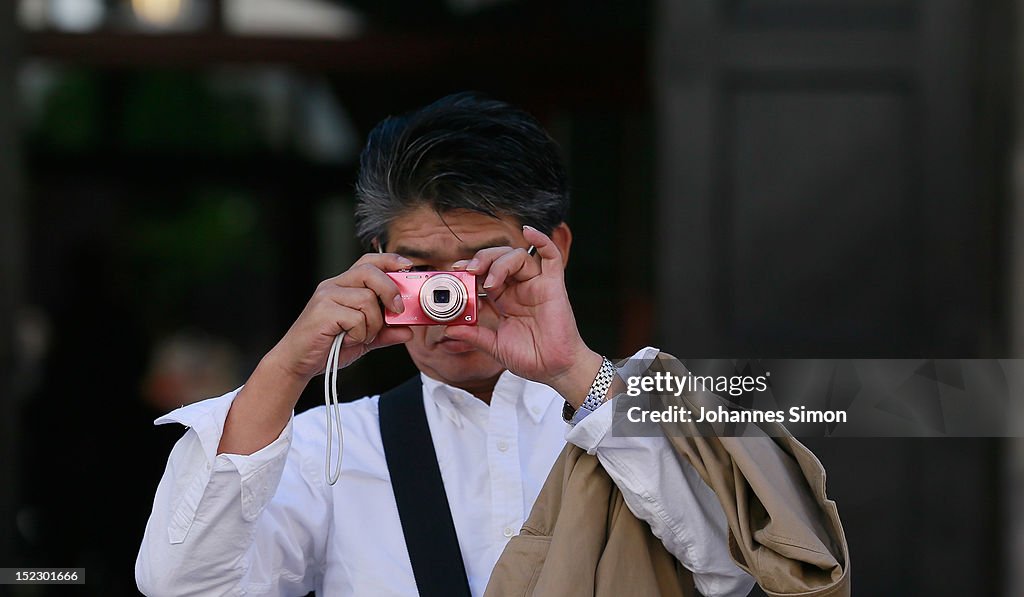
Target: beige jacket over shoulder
x=581 y=540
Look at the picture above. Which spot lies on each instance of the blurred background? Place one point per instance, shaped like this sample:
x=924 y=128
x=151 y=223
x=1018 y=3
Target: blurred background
x=751 y=178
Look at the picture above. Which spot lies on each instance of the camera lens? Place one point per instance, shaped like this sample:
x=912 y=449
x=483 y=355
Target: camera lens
x=443 y=297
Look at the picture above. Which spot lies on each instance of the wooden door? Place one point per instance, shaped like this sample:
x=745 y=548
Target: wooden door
x=829 y=185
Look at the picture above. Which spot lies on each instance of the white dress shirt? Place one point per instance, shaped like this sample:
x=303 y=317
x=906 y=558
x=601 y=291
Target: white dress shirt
x=269 y=524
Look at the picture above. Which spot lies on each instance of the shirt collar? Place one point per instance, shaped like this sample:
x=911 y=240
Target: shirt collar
x=535 y=397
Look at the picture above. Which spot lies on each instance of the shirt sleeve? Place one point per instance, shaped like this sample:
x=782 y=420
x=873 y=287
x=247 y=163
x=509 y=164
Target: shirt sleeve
x=668 y=494
x=230 y=524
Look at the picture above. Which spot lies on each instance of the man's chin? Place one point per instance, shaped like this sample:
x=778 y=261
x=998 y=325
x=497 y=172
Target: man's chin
x=455 y=367
x=455 y=347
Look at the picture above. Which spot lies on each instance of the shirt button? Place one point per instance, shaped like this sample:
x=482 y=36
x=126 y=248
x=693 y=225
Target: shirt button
x=502 y=446
x=507 y=532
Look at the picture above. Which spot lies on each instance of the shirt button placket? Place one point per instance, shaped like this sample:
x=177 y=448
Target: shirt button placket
x=503 y=429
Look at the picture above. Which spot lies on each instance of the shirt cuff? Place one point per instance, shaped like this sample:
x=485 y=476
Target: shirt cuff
x=592 y=430
x=257 y=473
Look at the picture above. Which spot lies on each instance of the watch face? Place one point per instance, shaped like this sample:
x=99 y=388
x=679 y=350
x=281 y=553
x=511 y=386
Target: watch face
x=567 y=412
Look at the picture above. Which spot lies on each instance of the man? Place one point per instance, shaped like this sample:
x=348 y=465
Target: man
x=463 y=184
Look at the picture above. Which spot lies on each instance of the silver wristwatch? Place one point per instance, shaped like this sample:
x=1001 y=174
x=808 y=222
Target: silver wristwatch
x=595 y=397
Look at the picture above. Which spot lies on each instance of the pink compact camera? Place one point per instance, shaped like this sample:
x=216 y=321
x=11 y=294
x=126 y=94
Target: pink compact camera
x=434 y=298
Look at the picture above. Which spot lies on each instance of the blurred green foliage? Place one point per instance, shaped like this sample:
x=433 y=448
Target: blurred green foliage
x=69 y=118
x=166 y=110
x=207 y=242
x=145 y=111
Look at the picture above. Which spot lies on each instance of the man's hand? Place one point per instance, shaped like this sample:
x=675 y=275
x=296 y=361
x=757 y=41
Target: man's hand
x=536 y=337
x=350 y=303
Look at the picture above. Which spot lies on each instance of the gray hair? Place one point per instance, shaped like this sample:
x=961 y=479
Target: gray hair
x=463 y=151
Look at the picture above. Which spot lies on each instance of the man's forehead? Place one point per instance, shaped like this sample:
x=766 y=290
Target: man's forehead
x=426 y=233
x=432 y=251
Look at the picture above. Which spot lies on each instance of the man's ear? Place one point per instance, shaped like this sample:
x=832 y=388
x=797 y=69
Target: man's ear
x=562 y=237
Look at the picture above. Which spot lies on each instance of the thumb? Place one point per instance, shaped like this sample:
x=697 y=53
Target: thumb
x=390 y=336
x=478 y=336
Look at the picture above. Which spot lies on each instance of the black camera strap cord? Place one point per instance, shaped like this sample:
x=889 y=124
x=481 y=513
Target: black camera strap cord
x=419 y=493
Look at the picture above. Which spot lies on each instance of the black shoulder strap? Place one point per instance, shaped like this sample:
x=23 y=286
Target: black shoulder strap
x=419 y=491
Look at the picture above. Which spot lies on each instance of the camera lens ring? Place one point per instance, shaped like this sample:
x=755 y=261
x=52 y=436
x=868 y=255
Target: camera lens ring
x=443 y=313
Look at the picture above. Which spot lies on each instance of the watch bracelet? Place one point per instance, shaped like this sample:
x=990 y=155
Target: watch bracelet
x=595 y=396
x=599 y=389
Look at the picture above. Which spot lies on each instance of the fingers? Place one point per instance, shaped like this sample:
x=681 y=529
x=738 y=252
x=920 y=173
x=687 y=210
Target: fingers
x=390 y=336
x=550 y=256
x=348 y=319
x=500 y=264
x=355 y=311
x=365 y=301
x=368 y=272
x=482 y=260
x=517 y=265
x=349 y=303
x=388 y=262
x=361 y=290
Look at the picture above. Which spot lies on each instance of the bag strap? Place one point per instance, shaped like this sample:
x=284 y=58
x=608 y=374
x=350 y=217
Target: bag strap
x=419 y=492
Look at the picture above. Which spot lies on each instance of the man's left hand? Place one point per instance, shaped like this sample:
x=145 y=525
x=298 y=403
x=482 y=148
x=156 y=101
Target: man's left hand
x=536 y=337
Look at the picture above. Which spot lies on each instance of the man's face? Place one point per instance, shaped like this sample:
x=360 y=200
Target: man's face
x=434 y=244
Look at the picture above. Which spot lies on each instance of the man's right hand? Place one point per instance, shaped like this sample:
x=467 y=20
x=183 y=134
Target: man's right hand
x=350 y=303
